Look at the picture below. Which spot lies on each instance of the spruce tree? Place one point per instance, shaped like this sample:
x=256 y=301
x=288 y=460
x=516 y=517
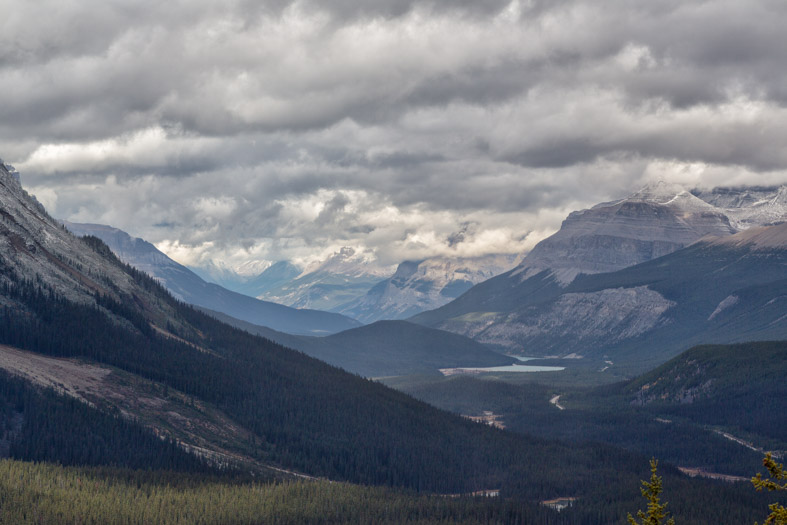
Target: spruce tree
x=777 y=482
x=651 y=491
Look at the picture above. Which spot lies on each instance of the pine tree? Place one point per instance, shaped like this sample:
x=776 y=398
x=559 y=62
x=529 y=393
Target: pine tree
x=651 y=491
x=777 y=482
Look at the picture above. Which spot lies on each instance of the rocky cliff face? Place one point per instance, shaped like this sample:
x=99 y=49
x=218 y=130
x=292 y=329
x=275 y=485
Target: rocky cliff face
x=718 y=290
x=34 y=246
x=626 y=274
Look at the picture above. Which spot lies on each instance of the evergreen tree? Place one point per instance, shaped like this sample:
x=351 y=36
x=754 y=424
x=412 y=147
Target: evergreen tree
x=651 y=491
x=777 y=482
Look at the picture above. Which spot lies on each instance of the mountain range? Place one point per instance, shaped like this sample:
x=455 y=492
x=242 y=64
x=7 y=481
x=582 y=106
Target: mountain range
x=639 y=279
x=379 y=349
x=140 y=375
x=189 y=287
x=351 y=284
x=102 y=366
x=418 y=286
x=326 y=285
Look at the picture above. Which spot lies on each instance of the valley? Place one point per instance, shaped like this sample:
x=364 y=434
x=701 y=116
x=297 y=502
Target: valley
x=509 y=262
x=96 y=340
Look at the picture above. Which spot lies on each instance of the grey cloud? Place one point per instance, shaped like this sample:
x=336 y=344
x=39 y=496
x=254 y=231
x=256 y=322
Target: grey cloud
x=225 y=123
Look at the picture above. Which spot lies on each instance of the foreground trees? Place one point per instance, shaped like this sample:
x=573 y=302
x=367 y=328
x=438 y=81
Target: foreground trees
x=777 y=482
x=657 y=511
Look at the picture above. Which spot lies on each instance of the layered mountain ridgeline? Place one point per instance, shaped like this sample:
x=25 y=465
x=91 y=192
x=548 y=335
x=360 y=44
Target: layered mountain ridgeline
x=189 y=287
x=748 y=206
x=722 y=291
x=608 y=237
x=537 y=307
x=386 y=348
x=713 y=409
x=424 y=285
x=343 y=277
x=252 y=278
x=108 y=334
x=377 y=350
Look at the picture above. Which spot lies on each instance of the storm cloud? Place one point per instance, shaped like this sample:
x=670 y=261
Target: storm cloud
x=243 y=130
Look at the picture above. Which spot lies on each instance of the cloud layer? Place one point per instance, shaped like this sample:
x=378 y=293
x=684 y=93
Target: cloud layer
x=402 y=128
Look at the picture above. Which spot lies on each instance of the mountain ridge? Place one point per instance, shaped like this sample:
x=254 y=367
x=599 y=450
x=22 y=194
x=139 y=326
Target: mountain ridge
x=189 y=287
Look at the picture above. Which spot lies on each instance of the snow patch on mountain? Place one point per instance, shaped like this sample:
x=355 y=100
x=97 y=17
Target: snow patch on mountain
x=652 y=222
x=424 y=285
x=749 y=207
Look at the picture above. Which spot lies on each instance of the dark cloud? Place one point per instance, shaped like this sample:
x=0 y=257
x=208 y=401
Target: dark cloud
x=282 y=129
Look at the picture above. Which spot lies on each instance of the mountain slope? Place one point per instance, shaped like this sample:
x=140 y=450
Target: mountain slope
x=189 y=287
x=716 y=291
x=651 y=223
x=341 y=278
x=385 y=348
x=295 y=412
x=424 y=285
x=738 y=387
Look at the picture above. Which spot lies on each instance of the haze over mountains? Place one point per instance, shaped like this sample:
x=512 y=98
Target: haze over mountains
x=655 y=221
x=189 y=287
x=541 y=307
x=73 y=315
x=546 y=306
x=374 y=350
x=424 y=285
x=139 y=364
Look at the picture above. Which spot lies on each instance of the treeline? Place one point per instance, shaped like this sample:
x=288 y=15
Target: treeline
x=307 y=415
x=44 y=493
x=318 y=419
x=39 y=493
x=37 y=424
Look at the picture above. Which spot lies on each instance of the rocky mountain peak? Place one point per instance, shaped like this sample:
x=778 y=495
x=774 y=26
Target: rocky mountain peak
x=660 y=192
x=9 y=171
x=650 y=223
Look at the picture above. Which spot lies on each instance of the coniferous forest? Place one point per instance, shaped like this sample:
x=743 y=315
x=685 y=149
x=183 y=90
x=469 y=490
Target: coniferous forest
x=309 y=417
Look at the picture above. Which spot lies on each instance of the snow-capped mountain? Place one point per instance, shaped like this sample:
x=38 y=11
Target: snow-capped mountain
x=424 y=285
x=655 y=221
x=252 y=278
x=535 y=308
x=189 y=287
x=718 y=290
x=326 y=285
x=749 y=206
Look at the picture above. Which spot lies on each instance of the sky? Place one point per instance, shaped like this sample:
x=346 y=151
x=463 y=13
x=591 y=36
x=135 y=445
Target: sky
x=245 y=131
